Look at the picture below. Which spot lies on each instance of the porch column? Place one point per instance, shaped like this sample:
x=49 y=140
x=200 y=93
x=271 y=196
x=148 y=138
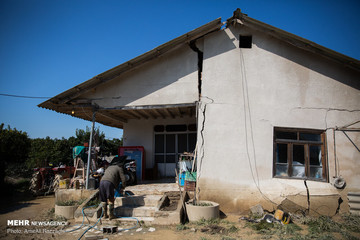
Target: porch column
x=89 y=152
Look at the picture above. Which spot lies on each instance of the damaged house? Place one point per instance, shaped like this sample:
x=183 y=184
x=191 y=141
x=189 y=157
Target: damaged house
x=274 y=118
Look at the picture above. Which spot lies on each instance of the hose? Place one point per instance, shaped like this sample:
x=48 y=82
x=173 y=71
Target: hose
x=82 y=223
x=93 y=226
x=137 y=220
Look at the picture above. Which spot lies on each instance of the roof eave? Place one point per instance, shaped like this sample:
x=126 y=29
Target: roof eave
x=108 y=75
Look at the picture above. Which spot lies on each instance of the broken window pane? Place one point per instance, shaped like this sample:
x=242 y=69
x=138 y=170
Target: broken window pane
x=316 y=172
x=310 y=137
x=298 y=155
x=281 y=153
x=281 y=170
x=315 y=156
x=298 y=171
x=159 y=143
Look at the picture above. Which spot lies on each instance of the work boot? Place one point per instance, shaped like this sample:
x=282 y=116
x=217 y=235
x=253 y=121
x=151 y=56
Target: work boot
x=104 y=208
x=111 y=211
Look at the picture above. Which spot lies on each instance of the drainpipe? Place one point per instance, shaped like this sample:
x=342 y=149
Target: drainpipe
x=89 y=152
x=200 y=54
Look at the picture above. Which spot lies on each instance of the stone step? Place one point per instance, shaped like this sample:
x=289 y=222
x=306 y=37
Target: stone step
x=142 y=211
x=138 y=200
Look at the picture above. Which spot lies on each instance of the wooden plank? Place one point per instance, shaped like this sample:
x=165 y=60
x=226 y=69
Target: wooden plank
x=151 y=113
x=143 y=114
x=112 y=116
x=160 y=113
x=179 y=112
x=133 y=114
x=170 y=113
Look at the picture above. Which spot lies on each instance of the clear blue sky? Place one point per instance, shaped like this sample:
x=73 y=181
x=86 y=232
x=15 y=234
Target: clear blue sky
x=49 y=46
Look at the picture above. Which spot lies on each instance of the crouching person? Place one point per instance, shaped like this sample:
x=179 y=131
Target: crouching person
x=114 y=174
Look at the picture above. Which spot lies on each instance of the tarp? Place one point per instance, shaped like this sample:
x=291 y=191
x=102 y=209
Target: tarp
x=79 y=151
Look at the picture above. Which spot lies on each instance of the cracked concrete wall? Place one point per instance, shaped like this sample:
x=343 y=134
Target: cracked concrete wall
x=248 y=92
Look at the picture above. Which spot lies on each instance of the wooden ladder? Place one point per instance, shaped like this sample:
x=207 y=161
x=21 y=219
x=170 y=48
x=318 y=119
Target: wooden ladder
x=77 y=169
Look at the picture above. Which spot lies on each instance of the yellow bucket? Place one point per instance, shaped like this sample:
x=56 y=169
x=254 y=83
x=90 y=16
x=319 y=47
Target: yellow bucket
x=282 y=216
x=64 y=184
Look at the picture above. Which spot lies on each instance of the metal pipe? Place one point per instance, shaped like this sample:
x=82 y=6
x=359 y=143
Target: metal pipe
x=336 y=173
x=89 y=152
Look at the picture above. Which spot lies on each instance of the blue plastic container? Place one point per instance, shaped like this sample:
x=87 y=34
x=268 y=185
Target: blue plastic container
x=182 y=179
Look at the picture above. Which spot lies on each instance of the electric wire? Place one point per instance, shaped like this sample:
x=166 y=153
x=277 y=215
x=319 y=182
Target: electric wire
x=21 y=96
x=246 y=105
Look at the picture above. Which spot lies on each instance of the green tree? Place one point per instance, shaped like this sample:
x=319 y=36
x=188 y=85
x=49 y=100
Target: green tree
x=83 y=136
x=111 y=147
x=14 y=149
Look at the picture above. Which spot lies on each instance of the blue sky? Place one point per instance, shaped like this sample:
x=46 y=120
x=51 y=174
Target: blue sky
x=48 y=46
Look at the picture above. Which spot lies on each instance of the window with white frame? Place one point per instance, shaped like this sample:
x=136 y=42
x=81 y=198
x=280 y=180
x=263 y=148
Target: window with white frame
x=300 y=153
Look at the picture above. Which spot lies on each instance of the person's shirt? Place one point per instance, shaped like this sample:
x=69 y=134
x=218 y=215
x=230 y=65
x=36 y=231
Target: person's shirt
x=115 y=175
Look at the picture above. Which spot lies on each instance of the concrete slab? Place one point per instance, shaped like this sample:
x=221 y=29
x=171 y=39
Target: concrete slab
x=142 y=211
x=138 y=200
x=152 y=188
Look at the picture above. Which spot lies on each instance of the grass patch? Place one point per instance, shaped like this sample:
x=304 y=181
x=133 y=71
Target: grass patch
x=49 y=215
x=277 y=229
x=204 y=222
x=181 y=227
x=94 y=202
x=67 y=203
x=323 y=224
x=351 y=222
x=232 y=229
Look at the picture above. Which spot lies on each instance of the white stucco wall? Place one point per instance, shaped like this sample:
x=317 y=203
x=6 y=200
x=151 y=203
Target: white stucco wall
x=248 y=92
x=171 y=78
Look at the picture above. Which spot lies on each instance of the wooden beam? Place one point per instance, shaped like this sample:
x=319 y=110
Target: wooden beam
x=112 y=116
x=151 y=113
x=145 y=107
x=170 y=113
x=133 y=114
x=191 y=112
x=160 y=113
x=180 y=112
x=142 y=115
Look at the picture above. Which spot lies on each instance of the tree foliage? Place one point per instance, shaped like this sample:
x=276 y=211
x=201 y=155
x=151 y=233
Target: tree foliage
x=14 y=148
x=18 y=149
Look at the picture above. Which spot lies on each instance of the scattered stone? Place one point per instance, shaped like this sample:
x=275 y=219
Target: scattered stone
x=139 y=229
x=152 y=229
x=257 y=210
x=193 y=229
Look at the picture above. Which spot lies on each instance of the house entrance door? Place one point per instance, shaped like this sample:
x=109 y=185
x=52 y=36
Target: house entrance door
x=169 y=144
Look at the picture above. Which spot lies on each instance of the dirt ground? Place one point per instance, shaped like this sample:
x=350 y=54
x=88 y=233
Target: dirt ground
x=227 y=228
